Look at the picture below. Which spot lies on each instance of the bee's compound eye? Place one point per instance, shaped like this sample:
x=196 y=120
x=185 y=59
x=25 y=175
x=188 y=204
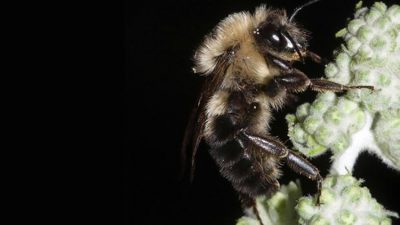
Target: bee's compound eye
x=269 y=34
x=274 y=39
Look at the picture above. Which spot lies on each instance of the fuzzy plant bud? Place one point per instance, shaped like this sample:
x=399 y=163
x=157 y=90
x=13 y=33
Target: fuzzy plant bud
x=277 y=210
x=370 y=55
x=328 y=122
x=387 y=136
x=361 y=118
x=342 y=202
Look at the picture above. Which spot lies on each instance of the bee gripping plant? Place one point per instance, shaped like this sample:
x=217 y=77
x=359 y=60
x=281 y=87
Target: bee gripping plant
x=360 y=120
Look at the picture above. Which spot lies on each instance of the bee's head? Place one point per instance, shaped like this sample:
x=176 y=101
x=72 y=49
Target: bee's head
x=281 y=38
x=277 y=35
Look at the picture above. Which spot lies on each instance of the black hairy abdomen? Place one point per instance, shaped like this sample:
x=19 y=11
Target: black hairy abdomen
x=240 y=168
x=247 y=168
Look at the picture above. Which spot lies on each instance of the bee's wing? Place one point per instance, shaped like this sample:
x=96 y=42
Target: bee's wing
x=194 y=133
x=195 y=127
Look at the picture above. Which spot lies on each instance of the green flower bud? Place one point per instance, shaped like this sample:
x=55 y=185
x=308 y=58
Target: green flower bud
x=371 y=56
x=329 y=124
x=305 y=208
x=311 y=124
x=354 y=25
x=331 y=70
x=343 y=202
x=277 y=210
x=317 y=220
x=387 y=136
x=372 y=38
x=327 y=196
x=302 y=111
x=340 y=144
x=345 y=217
x=365 y=33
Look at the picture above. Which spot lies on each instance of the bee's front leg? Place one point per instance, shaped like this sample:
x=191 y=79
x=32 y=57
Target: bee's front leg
x=296 y=81
x=326 y=85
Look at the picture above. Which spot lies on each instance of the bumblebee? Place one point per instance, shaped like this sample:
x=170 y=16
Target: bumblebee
x=247 y=62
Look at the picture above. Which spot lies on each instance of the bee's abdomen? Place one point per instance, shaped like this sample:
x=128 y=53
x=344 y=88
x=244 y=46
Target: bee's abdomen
x=251 y=171
x=247 y=174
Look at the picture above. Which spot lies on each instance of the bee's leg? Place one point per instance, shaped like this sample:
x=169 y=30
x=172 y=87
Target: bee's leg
x=326 y=85
x=267 y=143
x=249 y=202
x=302 y=166
x=296 y=81
x=294 y=160
x=254 y=206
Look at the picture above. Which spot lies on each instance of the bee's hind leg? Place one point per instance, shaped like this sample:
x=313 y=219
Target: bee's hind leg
x=269 y=144
x=302 y=166
x=294 y=160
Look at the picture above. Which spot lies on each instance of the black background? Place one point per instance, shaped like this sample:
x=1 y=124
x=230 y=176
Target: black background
x=160 y=90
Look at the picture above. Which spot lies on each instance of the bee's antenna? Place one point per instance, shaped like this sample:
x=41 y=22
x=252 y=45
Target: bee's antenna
x=301 y=7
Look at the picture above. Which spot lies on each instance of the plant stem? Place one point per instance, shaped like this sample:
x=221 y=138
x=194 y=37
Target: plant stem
x=343 y=163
